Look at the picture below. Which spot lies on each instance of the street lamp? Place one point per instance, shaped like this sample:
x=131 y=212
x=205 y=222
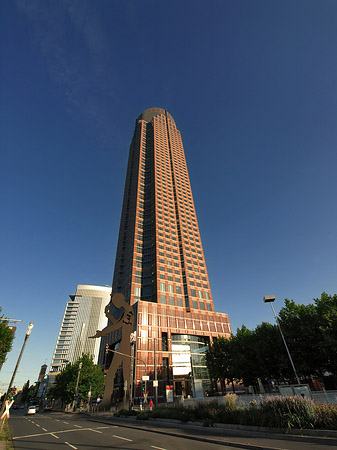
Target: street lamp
x=76 y=387
x=29 y=329
x=270 y=299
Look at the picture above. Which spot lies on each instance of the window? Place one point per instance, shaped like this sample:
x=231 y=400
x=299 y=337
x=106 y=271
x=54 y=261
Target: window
x=164 y=344
x=170 y=288
x=137 y=291
x=171 y=301
x=209 y=307
x=195 y=304
x=207 y=295
x=202 y=306
x=193 y=293
x=162 y=287
x=163 y=299
x=178 y=289
x=200 y=294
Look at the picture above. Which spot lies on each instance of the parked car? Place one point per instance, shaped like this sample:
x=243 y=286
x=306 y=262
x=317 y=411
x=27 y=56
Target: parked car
x=31 y=410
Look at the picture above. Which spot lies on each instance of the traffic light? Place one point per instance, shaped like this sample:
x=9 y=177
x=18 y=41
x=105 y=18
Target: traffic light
x=107 y=348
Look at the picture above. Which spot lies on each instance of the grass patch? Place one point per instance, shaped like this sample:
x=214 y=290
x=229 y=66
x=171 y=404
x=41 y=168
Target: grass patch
x=6 y=435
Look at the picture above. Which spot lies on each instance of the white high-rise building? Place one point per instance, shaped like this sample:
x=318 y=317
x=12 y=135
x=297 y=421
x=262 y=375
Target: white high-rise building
x=83 y=315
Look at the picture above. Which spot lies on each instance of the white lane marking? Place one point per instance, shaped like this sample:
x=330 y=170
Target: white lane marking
x=44 y=429
x=72 y=446
x=38 y=425
x=103 y=428
x=96 y=431
x=67 y=423
x=159 y=448
x=56 y=432
x=78 y=426
x=120 y=437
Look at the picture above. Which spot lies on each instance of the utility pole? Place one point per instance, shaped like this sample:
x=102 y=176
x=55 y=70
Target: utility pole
x=3 y=406
x=76 y=388
x=270 y=299
x=155 y=373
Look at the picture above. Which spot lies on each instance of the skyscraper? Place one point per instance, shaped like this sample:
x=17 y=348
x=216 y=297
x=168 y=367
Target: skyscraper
x=83 y=315
x=160 y=266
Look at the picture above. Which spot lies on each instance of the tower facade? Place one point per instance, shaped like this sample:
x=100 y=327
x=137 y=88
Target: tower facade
x=160 y=265
x=83 y=315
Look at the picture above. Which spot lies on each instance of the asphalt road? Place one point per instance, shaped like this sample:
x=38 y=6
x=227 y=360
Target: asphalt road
x=54 y=431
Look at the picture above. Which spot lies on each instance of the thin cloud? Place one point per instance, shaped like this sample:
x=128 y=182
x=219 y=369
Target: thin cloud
x=71 y=37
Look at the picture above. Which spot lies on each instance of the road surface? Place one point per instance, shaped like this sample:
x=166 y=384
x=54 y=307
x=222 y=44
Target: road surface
x=60 y=431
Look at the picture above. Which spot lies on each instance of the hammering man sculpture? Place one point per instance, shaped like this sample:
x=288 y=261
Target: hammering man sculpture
x=123 y=356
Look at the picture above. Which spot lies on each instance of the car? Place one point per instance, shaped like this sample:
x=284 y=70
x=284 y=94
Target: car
x=31 y=410
x=37 y=407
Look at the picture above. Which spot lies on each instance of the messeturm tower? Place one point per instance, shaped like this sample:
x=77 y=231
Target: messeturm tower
x=160 y=266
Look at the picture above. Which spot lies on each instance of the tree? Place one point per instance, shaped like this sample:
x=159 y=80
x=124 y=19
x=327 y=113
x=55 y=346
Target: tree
x=271 y=356
x=91 y=379
x=301 y=329
x=219 y=360
x=25 y=392
x=311 y=335
x=326 y=308
x=6 y=339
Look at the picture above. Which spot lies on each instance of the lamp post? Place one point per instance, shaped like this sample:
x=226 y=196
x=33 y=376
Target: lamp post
x=155 y=383
x=270 y=299
x=29 y=329
x=76 y=387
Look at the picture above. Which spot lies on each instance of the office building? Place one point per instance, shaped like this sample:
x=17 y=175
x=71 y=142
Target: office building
x=160 y=266
x=84 y=314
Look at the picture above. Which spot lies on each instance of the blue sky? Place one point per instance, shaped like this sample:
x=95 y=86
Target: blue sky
x=252 y=88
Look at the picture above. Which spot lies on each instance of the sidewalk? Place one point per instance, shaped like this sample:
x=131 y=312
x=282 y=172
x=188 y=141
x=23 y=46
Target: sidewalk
x=231 y=435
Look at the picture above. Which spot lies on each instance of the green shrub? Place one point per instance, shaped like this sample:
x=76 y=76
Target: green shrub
x=325 y=416
x=274 y=412
x=207 y=423
x=166 y=412
x=230 y=401
x=143 y=416
x=287 y=412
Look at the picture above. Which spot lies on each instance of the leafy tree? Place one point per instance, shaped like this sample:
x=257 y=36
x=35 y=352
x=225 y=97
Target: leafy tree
x=25 y=392
x=326 y=308
x=271 y=356
x=311 y=335
x=219 y=360
x=91 y=379
x=6 y=339
x=301 y=329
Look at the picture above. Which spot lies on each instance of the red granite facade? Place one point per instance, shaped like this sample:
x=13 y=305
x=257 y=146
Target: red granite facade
x=160 y=265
